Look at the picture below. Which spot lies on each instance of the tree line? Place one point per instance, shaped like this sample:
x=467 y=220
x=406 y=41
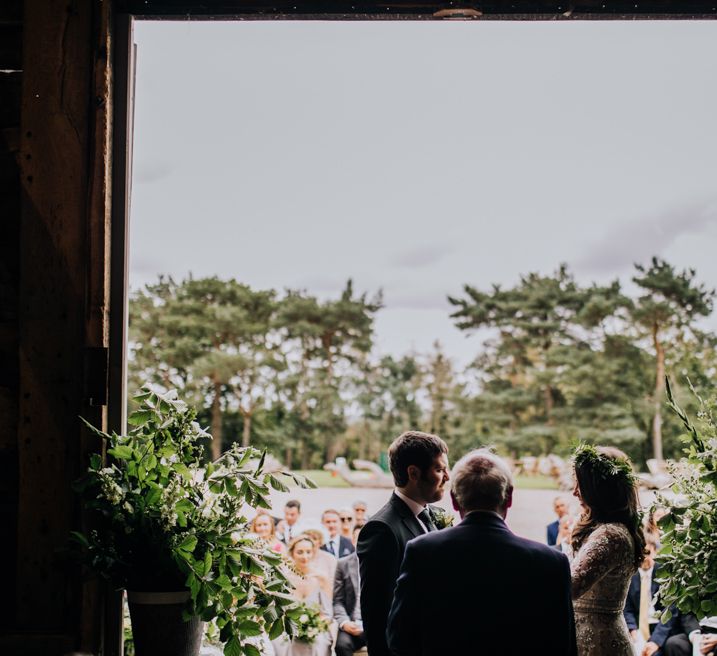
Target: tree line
x=301 y=376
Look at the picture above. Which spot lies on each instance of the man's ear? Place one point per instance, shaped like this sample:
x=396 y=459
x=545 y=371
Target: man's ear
x=414 y=472
x=456 y=507
x=509 y=498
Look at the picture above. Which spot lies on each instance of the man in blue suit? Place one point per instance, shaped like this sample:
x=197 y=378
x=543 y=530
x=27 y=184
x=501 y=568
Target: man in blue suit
x=561 y=508
x=477 y=588
x=647 y=623
x=337 y=545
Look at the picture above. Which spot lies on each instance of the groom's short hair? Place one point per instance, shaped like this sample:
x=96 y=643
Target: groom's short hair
x=481 y=481
x=413 y=448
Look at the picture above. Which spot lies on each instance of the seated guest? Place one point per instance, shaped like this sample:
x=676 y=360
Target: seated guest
x=291 y=526
x=309 y=588
x=692 y=637
x=561 y=508
x=346 y=516
x=641 y=613
x=322 y=563
x=337 y=545
x=263 y=527
x=347 y=607
x=360 y=510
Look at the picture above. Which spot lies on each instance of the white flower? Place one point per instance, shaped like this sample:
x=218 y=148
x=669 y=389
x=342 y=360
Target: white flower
x=303 y=618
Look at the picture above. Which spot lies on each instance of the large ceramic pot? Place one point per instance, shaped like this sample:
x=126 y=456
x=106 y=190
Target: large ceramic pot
x=157 y=625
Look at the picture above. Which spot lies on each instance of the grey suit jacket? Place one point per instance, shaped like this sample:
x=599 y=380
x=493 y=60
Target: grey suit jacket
x=346 y=585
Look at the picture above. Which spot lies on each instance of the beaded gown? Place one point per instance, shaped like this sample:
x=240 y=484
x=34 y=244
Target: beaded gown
x=601 y=572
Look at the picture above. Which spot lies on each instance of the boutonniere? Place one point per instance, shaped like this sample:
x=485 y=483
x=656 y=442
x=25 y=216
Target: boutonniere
x=441 y=518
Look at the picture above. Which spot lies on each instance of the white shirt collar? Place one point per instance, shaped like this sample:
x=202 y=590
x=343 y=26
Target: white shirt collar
x=416 y=508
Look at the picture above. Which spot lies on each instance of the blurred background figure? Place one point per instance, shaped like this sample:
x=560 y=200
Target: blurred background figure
x=309 y=588
x=561 y=508
x=692 y=638
x=263 y=527
x=647 y=633
x=322 y=563
x=336 y=544
x=347 y=605
x=360 y=511
x=347 y=519
x=291 y=526
x=652 y=528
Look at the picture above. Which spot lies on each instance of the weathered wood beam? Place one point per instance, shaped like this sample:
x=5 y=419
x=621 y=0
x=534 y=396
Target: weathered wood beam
x=372 y=9
x=64 y=154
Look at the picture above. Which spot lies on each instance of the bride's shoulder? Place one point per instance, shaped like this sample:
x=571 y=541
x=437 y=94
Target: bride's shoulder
x=613 y=531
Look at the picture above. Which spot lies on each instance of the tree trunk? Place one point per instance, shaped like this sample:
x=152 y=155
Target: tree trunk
x=246 y=428
x=217 y=421
x=548 y=398
x=305 y=462
x=289 y=457
x=659 y=394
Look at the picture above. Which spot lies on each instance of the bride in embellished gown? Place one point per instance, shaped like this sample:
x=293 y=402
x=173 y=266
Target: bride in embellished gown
x=608 y=545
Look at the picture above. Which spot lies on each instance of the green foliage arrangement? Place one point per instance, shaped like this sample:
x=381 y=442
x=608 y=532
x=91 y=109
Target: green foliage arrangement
x=605 y=467
x=689 y=549
x=164 y=521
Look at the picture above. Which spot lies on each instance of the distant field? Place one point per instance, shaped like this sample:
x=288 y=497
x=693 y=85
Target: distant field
x=327 y=479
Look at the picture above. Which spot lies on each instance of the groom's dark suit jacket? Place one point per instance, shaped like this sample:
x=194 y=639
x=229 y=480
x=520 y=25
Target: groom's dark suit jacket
x=380 y=548
x=478 y=589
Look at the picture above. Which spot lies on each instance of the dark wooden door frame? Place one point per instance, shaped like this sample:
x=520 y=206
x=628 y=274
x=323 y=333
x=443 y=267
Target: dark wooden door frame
x=124 y=58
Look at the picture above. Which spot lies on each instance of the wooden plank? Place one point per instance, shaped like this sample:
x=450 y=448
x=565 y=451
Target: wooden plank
x=10 y=99
x=10 y=46
x=362 y=9
x=55 y=142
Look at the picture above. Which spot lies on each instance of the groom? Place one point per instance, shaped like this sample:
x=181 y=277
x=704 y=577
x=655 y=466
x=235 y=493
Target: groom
x=419 y=465
x=477 y=588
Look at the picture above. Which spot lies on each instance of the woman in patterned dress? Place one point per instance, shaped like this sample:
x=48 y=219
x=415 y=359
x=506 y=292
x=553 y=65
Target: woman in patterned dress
x=608 y=547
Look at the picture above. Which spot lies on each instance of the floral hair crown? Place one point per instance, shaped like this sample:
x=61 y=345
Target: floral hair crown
x=604 y=466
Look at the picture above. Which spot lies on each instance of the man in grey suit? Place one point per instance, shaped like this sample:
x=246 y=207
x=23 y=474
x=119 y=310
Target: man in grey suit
x=347 y=608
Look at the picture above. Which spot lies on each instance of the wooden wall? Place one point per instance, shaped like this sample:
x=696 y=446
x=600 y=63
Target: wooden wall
x=54 y=286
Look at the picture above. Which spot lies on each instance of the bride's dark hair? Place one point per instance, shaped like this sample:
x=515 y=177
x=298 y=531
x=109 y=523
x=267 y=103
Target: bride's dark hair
x=608 y=490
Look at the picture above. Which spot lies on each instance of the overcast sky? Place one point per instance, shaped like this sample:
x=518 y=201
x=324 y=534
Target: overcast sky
x=415 y=157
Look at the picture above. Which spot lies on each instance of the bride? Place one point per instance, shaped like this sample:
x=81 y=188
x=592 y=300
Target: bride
x=608 y=546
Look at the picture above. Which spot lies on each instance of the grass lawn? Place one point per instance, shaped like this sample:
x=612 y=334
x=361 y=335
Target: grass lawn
x=327 y=479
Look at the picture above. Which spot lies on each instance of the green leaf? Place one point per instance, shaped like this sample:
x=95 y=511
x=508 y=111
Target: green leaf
x=140 y=417
x=121 y=452
x=277 y=628
x=207 y=562
x=251 y=650
x=233 y=648
x=188 y=544
x=250 y=628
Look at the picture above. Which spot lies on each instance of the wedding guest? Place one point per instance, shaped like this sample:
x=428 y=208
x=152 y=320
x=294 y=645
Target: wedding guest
x=476 y=588
x=309 y=588
x=562 y=509
x=263 y=526
x=291 y=526
x=336 y=544
x=360 y=510
x=346 y=517
x=347 y=606
x=642 y=610
x=323 y=563
x=419 y=464
x=565 y=530
x=692 y=637
x=652 y=528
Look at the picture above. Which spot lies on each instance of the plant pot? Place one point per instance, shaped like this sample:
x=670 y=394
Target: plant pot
x=157 y=625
